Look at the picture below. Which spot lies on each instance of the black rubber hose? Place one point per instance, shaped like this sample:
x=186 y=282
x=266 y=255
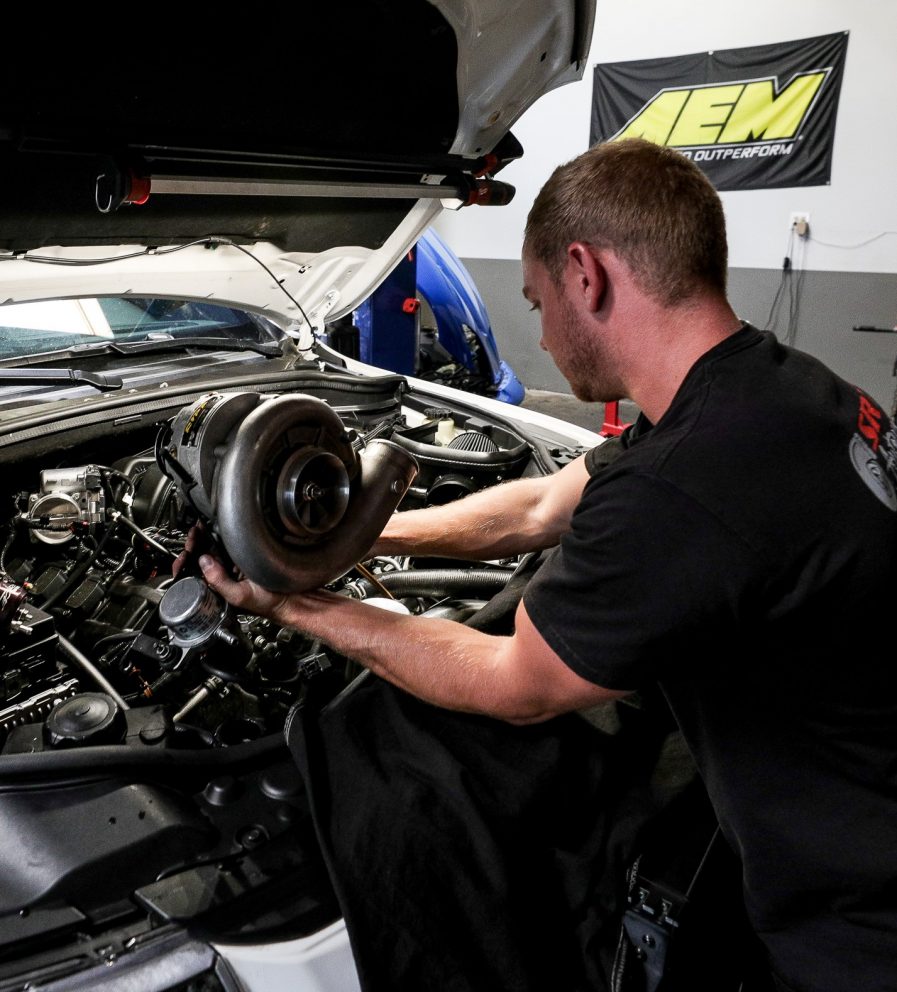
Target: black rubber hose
x=442 y=582
x=142 y=534
x=497 y=616
x=112 y=758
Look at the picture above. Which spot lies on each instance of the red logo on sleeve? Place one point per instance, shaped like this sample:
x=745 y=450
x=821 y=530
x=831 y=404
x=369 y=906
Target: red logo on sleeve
x=873 y=452
x=869 y=422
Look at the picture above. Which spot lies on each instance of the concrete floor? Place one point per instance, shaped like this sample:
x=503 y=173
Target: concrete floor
x=564 y=406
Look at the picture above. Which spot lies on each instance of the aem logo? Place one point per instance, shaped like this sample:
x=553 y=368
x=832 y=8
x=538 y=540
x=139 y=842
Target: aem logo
x=728 y=113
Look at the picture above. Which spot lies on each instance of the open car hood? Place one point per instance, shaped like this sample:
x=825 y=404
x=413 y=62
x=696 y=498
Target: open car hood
x=293 y=175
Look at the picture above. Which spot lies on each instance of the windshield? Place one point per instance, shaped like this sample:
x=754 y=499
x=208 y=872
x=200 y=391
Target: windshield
x=52 y=325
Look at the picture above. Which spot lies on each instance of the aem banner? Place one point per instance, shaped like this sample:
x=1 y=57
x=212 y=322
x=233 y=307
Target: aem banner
x=751 y=118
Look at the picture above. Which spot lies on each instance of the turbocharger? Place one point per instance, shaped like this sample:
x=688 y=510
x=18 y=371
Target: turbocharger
x=281 y=485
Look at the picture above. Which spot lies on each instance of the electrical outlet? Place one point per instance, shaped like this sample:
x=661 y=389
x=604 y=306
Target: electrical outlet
x=800 y=223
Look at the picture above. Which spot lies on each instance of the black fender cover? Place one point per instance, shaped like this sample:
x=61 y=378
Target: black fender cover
x=467 y=853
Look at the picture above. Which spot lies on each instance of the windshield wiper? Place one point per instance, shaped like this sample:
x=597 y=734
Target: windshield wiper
x=274 y=349
x=73 y=377
x=271 y=349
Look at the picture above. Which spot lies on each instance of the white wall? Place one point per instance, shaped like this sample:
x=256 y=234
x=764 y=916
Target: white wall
x=861 y=201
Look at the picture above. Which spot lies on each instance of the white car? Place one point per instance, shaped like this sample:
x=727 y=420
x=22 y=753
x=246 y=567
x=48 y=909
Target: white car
x=179 y=221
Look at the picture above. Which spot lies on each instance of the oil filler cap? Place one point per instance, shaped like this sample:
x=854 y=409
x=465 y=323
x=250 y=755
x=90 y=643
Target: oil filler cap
x=85 y=719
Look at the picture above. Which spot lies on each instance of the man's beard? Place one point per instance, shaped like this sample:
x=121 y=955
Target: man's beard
x=585 y=363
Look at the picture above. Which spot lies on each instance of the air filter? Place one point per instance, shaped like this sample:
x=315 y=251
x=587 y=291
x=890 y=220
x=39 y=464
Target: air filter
x=473 y=441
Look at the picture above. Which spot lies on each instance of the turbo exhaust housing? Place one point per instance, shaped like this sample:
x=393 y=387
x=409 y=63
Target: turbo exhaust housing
x=281 y=485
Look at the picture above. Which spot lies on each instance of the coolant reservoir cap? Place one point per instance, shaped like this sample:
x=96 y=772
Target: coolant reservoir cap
x=88 y=718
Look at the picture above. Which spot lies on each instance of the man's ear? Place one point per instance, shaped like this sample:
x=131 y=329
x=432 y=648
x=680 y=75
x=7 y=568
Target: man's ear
x=586 y=276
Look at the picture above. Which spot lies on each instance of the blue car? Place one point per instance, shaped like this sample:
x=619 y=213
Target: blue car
x=428 y=319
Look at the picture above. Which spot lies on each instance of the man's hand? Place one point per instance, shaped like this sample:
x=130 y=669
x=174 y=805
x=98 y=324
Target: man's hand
x=242 y=593
x=248 y=596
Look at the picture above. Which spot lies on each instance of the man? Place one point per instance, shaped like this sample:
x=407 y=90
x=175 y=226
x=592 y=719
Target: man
x=741 y=553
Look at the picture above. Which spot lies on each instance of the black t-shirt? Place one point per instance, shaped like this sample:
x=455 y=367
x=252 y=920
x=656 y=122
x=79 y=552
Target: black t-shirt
x=742 y=552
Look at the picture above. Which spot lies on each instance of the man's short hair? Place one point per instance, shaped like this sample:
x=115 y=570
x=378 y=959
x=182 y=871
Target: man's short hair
x=649 y=204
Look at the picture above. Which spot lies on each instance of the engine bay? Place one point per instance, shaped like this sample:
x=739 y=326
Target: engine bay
x=88 y=602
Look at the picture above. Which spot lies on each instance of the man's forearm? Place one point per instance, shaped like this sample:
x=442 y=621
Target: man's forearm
x=439 y=661
x=525 y=515
x=493 y=523
x=515 y=678
x=518 y=678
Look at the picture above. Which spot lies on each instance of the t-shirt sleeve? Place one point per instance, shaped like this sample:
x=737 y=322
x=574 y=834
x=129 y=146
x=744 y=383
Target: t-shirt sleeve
x=645 y=576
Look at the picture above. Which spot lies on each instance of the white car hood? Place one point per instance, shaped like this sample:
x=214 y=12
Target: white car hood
x=509 y=52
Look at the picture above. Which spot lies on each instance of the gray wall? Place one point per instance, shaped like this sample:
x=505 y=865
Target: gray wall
x=516 y=327
x=831 y=303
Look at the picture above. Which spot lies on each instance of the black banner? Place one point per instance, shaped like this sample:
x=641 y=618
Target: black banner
x=751 y=118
